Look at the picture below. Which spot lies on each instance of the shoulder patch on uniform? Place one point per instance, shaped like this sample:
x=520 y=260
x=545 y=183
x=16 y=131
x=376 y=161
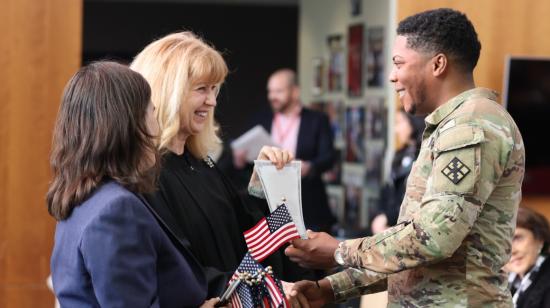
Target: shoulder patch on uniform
x=456 y=170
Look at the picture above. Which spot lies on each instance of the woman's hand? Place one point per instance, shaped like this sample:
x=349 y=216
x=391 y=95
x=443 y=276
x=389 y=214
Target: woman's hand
x=311 y=294
x=296 y=301
x=277 y=156
x=379 y=223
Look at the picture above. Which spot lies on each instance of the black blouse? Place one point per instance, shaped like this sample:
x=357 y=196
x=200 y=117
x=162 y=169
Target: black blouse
x=205 y=212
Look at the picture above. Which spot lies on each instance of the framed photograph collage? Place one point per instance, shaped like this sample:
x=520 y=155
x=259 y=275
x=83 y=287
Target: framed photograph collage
x=348 y=86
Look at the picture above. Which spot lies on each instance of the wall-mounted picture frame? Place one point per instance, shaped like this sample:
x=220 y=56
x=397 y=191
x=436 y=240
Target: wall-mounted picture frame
x=355 y=134
x=353 y=174
x=375 y=57
x=376 y=118
x=334 y=174
x=336 y=62
x=355 y=7
x=317 y=82
x=355 y=60
x=334 y=109
x=374 y=164
x=353 y=207
x=336 y=201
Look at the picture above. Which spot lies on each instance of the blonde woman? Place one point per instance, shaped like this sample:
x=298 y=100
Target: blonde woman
x=196 y=201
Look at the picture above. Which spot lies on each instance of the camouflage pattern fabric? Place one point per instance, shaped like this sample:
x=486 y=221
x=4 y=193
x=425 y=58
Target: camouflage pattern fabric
x=457 y=219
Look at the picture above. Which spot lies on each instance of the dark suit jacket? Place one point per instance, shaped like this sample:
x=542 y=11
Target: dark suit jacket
x=315 y=144
x=111 y=252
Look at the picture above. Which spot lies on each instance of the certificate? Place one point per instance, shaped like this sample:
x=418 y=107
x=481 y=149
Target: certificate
x=283 y=186
x=252 y=142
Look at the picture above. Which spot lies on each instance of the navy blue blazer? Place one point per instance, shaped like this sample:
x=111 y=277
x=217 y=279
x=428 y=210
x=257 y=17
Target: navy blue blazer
x=314 y=144
x=112 y=252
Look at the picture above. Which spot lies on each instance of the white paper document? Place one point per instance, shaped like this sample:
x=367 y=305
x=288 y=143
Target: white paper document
x=252 y=142
x=283 y=186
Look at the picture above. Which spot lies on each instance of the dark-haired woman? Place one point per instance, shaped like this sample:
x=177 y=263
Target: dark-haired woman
x=109 y=250
x=529 y=265
x=408 y=133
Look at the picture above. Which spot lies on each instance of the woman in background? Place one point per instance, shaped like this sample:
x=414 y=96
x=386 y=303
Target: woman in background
x=198 y=203
x=109 y=249
x=529 y=266
x=408 y=133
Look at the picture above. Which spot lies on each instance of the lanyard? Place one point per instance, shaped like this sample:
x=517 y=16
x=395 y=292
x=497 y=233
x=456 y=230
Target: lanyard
x=282 y=133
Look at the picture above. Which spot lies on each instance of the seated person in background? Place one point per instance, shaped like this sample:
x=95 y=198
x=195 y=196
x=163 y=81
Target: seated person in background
x=109 y=250
x=408 y=132
x=529 y=266
x=198 y=203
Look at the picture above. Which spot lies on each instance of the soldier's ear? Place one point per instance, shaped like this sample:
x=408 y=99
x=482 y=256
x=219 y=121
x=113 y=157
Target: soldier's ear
x=439 y=64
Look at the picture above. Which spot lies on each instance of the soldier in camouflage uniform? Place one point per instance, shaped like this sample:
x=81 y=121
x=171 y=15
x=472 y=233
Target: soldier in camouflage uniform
x=458 y=216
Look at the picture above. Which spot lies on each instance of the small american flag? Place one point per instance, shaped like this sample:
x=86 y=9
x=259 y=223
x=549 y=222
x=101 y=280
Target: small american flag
x=270 y=233
x=268 y=290
x=276 y=296
x=246 y=296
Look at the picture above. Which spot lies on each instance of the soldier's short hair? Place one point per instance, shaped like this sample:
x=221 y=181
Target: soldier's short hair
x=444 y=31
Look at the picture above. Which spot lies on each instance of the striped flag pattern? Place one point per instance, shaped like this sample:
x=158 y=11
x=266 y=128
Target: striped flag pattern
x=270 y=233
x=277 y=297
x=246 y=296
x=268 y=291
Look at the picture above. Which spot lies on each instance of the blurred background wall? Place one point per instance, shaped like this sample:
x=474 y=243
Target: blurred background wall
x=40 y=48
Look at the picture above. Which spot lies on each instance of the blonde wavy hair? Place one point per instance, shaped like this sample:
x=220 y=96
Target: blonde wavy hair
x=173 y=65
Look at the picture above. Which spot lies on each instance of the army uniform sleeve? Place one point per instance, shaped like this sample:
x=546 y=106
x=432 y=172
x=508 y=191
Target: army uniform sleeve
x=467 y=164
x=354 y=282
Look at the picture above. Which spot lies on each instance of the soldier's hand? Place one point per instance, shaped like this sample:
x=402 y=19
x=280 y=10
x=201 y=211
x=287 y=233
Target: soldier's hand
x=317 y=294
x=315 y=252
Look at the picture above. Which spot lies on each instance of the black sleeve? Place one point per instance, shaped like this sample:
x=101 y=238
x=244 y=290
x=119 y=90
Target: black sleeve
x=159 y=205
